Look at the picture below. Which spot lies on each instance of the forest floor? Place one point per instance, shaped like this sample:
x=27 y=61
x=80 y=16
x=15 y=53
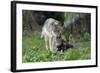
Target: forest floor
x=34 y=51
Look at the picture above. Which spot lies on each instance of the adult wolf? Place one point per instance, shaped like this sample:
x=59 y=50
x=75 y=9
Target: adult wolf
x=51 y=30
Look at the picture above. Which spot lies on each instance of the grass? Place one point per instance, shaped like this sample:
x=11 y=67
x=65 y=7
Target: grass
x=35 y=51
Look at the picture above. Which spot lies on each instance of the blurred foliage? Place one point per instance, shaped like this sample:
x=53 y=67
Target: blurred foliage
x=27 y=20
x=85 y=37
x=34 y=51
x=74 y=23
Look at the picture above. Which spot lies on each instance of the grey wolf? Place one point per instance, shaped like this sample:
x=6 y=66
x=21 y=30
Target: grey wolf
x=51 y=30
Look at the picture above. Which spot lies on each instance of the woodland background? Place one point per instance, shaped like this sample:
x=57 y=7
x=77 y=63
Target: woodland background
x=78 y=25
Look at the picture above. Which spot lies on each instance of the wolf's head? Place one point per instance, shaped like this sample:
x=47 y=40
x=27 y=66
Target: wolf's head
x=57 y=28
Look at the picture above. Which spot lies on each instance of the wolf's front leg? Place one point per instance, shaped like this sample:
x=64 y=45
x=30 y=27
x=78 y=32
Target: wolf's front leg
x=50 y=44
x=53 y=45
x=46 y=43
